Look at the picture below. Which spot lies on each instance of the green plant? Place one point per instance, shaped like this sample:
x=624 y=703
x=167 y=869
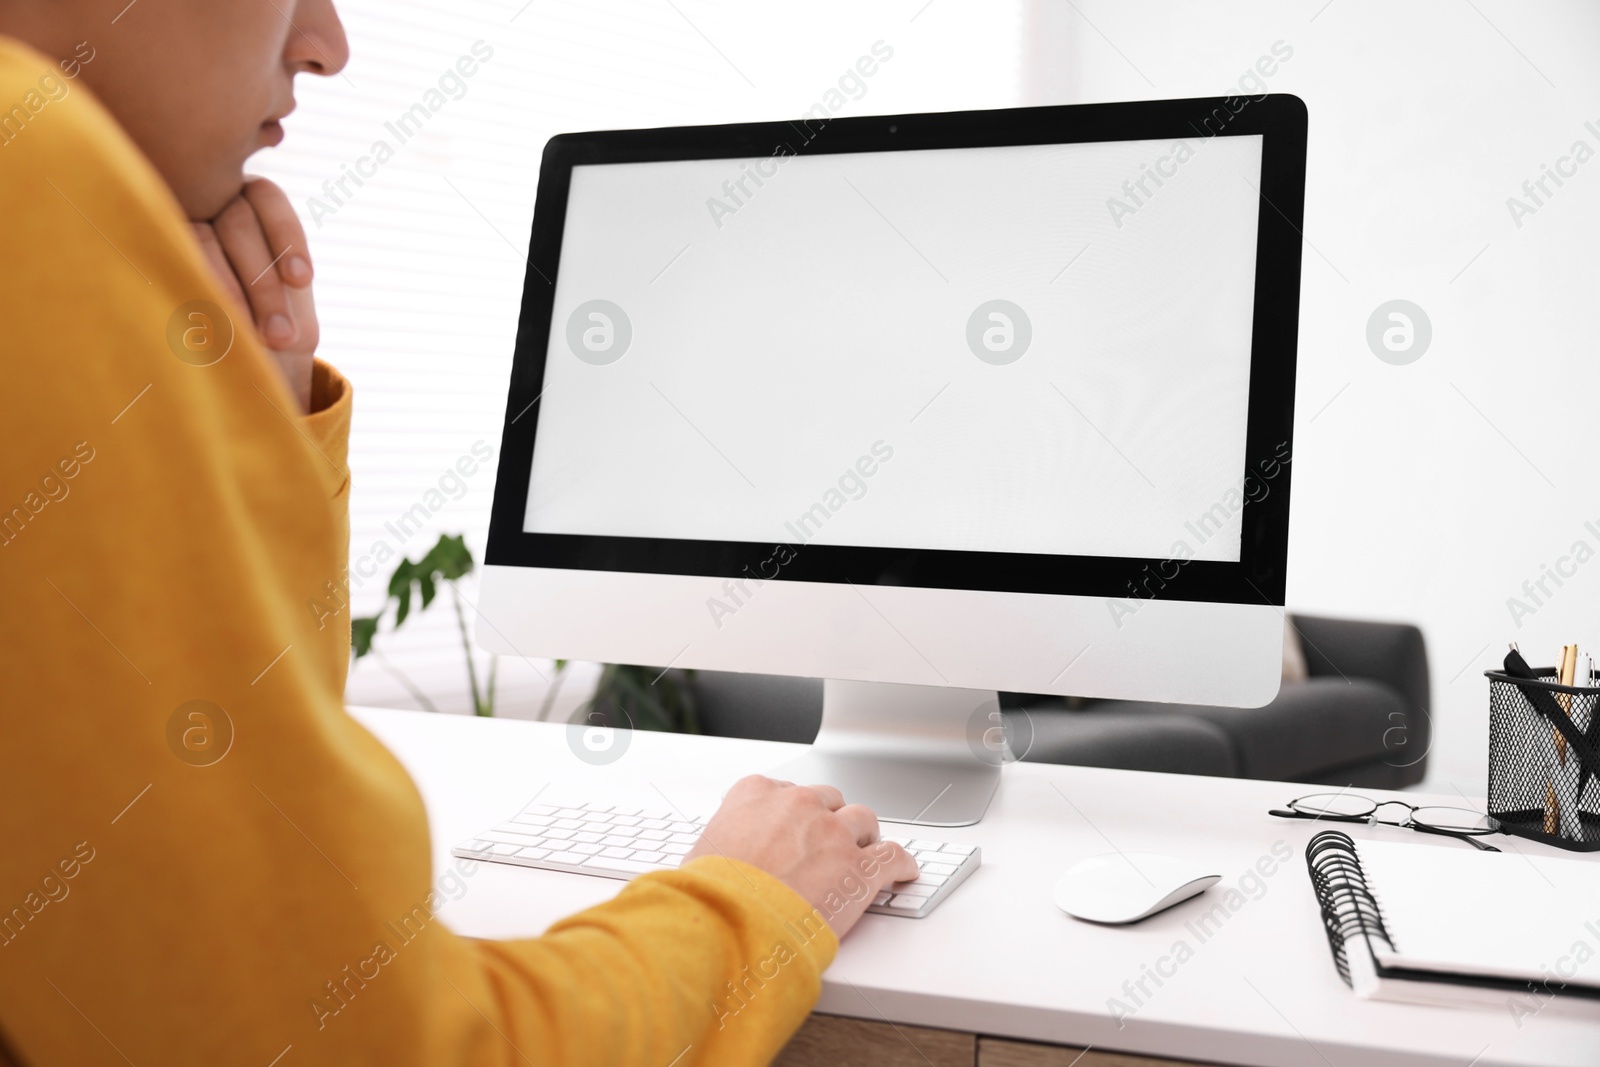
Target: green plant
x=448 y=561
x=644 y=698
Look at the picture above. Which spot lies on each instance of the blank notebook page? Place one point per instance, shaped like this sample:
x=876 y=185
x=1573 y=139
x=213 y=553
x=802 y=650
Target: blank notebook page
x=1501 y=914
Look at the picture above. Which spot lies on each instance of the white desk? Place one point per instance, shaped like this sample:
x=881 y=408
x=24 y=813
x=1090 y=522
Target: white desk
x=998 y=957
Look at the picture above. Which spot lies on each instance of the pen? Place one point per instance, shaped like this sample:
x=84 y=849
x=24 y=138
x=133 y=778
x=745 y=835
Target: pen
x=1581 y=744
x=1566 y=778
x=1582 y=713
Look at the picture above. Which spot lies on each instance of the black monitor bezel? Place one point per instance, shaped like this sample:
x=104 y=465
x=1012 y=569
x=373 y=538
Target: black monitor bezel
x=1258 y=576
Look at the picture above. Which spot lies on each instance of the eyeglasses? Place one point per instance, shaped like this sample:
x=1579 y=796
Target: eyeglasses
x=1463 y=823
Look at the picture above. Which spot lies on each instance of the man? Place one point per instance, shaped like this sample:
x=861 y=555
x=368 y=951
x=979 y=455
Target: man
x=172 y=493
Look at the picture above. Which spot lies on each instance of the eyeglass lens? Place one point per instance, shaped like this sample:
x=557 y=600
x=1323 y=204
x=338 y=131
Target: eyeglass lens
x=1345 y=805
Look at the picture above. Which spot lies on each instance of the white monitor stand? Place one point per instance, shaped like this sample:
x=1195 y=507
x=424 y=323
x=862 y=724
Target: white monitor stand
x=905 y=751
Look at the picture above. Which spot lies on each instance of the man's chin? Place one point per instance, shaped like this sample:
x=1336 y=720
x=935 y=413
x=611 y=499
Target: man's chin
x=204 y=199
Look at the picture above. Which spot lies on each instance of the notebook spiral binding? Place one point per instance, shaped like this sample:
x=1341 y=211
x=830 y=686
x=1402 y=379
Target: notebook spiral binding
x=1348 y=906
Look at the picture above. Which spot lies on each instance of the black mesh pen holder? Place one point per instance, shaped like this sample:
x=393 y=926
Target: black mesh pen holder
x=1544 y=760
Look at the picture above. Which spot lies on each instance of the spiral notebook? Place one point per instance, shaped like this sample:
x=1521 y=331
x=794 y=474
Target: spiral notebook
x=1455 y=926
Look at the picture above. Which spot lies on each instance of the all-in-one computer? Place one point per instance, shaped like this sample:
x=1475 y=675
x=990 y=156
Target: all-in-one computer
x=929 y=406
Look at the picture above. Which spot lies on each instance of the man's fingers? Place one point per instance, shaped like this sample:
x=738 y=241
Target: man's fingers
x=286 y=237
x=751 y=785
x=246 y=248
x=861 y=822
x=303 y=309
x=895 y=863
x=218 y=259
x=831 y=798
x=295 y=361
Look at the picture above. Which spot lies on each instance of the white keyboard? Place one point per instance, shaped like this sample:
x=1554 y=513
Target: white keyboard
x=618 y=841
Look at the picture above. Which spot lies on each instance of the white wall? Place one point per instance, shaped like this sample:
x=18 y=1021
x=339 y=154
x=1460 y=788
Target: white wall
x=1427 y=492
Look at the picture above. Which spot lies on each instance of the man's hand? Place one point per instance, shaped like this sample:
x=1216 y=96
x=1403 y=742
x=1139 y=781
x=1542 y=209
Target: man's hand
x=257 y=248
x=823 y=849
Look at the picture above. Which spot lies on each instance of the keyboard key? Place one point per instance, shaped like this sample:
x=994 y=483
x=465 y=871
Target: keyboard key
x=502 y=849
x=556 y=846
x=557 y=835
x=624 y=811
x=569 y=824
x=625 y=820
x=647 y=857
x=622 y=831
x=585 y=850
x=588 y=837
x=520 y=836
x=656 y=824
x=626 y=866
x=684 y=828
x=882 y=898
x=543 y=809
x=939 y=868
x=534 y=839
x=914 y=889
x=671 y=861
x=951 y=848
x=598 y=809
x=653 y=835
x=614 y=841
x=919 y=845
x=676 y=849
x=533 y=853
x=684 y=839
x=655 y=814
x=616 y=853
x=533 y=820
x=516 y=840
x=569 y=813
x=934 y=880
x=901 y=900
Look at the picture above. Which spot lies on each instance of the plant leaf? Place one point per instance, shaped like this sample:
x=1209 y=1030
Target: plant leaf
x=451 y=558
x=400 y=580
x=362 y=631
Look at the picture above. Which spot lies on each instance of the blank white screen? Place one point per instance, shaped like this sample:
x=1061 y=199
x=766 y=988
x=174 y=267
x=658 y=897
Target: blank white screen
x=775 y=345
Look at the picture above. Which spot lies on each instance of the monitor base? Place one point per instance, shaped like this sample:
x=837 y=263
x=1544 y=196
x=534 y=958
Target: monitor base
x=919 y=754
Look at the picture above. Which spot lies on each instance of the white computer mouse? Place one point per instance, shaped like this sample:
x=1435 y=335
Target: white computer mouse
x=1124 y=887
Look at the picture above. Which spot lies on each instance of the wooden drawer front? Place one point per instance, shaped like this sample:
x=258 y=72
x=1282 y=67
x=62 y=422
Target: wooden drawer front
x=997 y=1052
x=836 y=1041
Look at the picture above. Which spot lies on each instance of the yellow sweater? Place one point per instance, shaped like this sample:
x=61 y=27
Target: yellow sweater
x=255 y=882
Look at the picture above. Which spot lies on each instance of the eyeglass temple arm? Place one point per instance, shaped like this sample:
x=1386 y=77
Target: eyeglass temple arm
x=1290 y=813
x=1471 y=839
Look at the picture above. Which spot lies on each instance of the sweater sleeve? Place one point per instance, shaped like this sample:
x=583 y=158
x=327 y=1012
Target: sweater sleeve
x=206 y=859
x=715 y=964
x=327 y=430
